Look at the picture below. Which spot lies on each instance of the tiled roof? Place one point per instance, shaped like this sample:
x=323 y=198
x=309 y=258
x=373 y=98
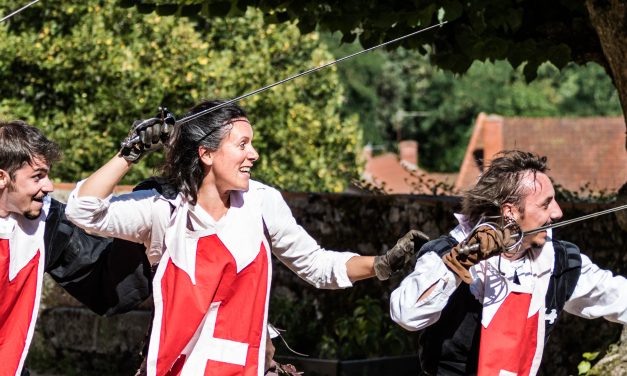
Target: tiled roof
x=388 y=172
x=580 y=151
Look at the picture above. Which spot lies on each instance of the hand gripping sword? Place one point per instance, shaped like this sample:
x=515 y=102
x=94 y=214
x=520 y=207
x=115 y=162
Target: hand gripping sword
x=129 y=142
x=467 y=249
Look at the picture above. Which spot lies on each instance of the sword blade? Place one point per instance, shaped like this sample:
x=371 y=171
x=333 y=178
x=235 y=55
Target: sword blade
x=184 y=120
x=304 y=73
x=578 y=219
x=18 y=11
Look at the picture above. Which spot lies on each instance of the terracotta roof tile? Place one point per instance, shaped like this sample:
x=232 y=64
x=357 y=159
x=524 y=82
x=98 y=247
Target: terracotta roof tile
x=387 y=171
x=580 y=151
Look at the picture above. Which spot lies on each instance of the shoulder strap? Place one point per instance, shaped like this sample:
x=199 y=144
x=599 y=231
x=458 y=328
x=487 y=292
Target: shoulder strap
x=266 y=233
x=568 y=258
x=566 y=273
x=441 y=245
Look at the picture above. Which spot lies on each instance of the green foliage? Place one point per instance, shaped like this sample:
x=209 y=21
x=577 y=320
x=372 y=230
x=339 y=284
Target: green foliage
x=585 y=365
x=88 y=71
x=299 y=317
x=361 y=79
x=83 y=71
x=479 y=36
x=583 y=194
x=367 y=332
x=531 y=31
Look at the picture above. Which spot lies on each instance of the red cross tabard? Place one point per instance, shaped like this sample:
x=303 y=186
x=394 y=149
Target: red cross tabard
x=17 y=302
x=215 y=326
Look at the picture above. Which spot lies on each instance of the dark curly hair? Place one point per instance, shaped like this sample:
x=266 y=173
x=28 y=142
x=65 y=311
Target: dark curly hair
x=182 y=167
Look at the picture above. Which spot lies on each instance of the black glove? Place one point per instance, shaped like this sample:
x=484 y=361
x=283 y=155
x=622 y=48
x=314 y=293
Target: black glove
x=482 y=244
x=399 y=255
x=147 y=135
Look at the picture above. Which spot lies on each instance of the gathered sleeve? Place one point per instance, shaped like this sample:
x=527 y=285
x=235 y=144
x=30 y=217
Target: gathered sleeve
x=126 y=216
x=598 y=293
x=295 y=248
x=406 y=310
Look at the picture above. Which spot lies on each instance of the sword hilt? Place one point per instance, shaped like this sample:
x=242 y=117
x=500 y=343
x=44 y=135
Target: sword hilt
x=468 y=249
x=473 y=248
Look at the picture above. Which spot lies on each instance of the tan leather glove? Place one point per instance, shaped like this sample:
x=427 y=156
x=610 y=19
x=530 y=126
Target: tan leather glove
x=490 y=242
x=399 y=255
x=459 y=264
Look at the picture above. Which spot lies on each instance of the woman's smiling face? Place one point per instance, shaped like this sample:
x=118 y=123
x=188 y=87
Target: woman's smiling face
x=232 y=162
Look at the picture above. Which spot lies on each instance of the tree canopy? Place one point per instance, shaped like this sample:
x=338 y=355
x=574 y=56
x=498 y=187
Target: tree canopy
x=84 y=70
x=525 y=32
x=400 y=95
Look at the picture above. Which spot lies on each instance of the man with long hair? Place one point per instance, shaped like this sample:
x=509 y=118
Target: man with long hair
x=489 y=311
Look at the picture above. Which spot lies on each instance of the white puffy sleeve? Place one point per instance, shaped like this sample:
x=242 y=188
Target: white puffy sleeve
x=406 y=310
x=127 y=216
x=598 y=293
x=295 y=248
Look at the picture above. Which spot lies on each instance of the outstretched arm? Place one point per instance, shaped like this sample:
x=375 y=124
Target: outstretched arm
x=320 y=267
x=360 y=267
x=598 y=293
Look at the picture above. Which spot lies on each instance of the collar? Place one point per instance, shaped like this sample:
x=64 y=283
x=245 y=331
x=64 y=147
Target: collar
x=491 y=288
x=26 y=239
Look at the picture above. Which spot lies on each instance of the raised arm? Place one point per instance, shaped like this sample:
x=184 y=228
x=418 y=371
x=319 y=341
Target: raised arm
x=128 y=216
x=100 y=184
x=144 y=137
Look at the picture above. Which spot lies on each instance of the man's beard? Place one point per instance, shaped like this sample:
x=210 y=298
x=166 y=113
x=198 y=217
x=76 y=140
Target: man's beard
x=32 y=214
x=539 y=242
x=29 y=214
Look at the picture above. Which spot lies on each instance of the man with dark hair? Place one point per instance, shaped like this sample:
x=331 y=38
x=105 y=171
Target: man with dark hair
x=35 y=237
x=497 y=321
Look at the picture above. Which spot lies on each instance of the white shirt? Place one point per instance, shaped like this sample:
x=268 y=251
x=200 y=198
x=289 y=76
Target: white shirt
x=598 y=292
x=143 y=217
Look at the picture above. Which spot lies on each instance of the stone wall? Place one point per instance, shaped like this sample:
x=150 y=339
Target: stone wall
x=70 y=340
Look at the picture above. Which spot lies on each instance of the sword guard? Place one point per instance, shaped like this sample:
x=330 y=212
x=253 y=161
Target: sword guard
x=515 y=233
x=147 y=135
x=164 y=115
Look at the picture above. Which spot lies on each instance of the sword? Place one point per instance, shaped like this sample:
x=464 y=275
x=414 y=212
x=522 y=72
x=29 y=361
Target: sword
x=18 y=11
x=467 y=249
x=130 y=142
